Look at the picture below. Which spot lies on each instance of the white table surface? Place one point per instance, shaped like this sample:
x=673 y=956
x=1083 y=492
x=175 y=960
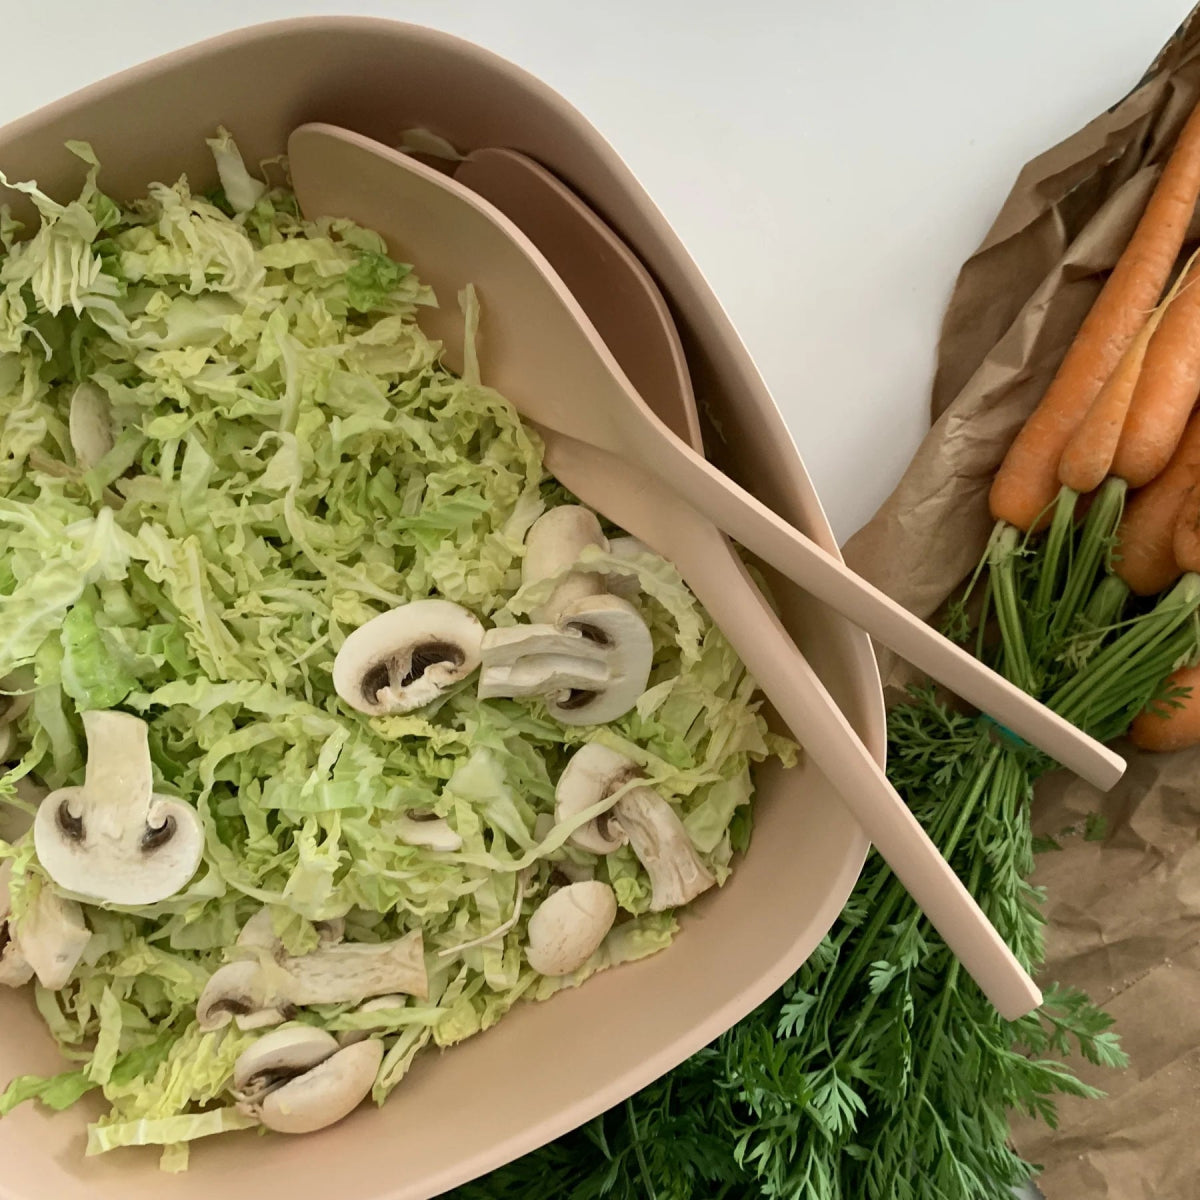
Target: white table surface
x=829 y=163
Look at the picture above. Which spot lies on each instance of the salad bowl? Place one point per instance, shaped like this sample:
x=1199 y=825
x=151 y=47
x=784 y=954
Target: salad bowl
x=546 y=1067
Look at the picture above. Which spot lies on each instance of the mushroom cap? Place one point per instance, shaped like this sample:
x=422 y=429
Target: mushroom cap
x=285 y=1052
x=592 y=773
x=325 y=1094
x=128 y=870
x=568 y=926
x=236 y=989
x=407 y=657
x=112 y=840
x=615 y=624
x=89 y=425
x=554 y=541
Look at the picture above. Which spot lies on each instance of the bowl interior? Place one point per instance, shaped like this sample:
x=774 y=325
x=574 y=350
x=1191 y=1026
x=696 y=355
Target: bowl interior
x=546 y=1067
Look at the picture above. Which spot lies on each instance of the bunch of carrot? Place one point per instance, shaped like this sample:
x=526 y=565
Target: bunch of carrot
x=1119 y=427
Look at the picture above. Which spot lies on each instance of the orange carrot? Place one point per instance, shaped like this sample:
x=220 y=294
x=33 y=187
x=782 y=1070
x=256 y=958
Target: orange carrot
x=1089 y=455
x=1145 y=550
x=1027 y=481
x=1166 y=390
x=1185 y=539
x=1163 y=726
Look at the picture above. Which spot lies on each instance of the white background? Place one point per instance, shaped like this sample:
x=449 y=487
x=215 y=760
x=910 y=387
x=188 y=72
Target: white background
x=829 y=163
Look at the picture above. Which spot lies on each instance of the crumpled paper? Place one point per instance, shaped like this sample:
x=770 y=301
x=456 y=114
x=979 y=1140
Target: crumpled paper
x=1123 y=910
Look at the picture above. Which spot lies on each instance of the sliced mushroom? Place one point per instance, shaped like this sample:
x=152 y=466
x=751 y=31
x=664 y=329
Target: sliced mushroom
x=259 y=932
x=90 y=425
x=257 y=992
x=591 y=667
x=301 y=1080
x=326 y=1094
x=568 y=926
x=554 y=541
x=52 y=936
x=406 y=658
x=15 y=970
x=113 y=840
x=422 y=828
x=593 y=773
x=653 y=828
x=47 y=941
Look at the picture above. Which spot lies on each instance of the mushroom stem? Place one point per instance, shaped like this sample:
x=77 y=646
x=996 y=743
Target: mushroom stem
x=259 y=994
x=663 y=847
x=554 y=541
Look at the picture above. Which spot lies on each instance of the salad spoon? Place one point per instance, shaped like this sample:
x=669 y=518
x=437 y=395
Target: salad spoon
x=545 y=356
x=632 y=318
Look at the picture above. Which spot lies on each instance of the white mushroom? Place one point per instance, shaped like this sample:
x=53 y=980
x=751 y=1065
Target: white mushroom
x=592 y=774
x=300 y=1080
x=591 y=667
x=256 y=992
x=258 y=934
x=554 y=541
x=422 y=828
x=641 y=815
x=48 y=941
x=113 y=840
x=15 y=970
x=406 y=658
x=90 y=425
x=566 y=929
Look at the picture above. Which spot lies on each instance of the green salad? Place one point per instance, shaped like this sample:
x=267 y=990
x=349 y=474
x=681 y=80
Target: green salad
x=330 y=726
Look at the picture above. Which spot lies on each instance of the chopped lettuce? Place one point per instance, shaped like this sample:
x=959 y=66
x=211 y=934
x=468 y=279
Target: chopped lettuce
x=289 y=459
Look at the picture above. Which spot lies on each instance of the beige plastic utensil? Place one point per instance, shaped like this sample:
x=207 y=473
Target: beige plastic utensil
x=628 y=311
x=543 y=353
x=645 y=507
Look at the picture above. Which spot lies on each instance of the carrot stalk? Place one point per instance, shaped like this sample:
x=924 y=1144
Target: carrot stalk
x=1089 y=454
x=1171 y=723
x=1166 y=390
x=1145 y=552
x=1027 y=480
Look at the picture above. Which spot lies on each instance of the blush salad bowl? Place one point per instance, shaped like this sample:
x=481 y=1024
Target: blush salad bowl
x=547 y=1067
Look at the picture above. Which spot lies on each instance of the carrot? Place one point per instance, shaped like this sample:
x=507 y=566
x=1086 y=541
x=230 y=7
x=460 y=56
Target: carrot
x=1174 y=724
x=1089 y=454
x=1166 y=390
x=1145 y=551
x=1185 y=538
x=1027 y=481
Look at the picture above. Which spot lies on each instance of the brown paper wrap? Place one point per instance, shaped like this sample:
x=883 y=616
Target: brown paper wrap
x=1124 y=912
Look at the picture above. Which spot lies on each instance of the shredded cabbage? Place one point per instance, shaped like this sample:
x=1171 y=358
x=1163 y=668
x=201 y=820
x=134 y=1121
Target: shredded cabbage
x=289 y=460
